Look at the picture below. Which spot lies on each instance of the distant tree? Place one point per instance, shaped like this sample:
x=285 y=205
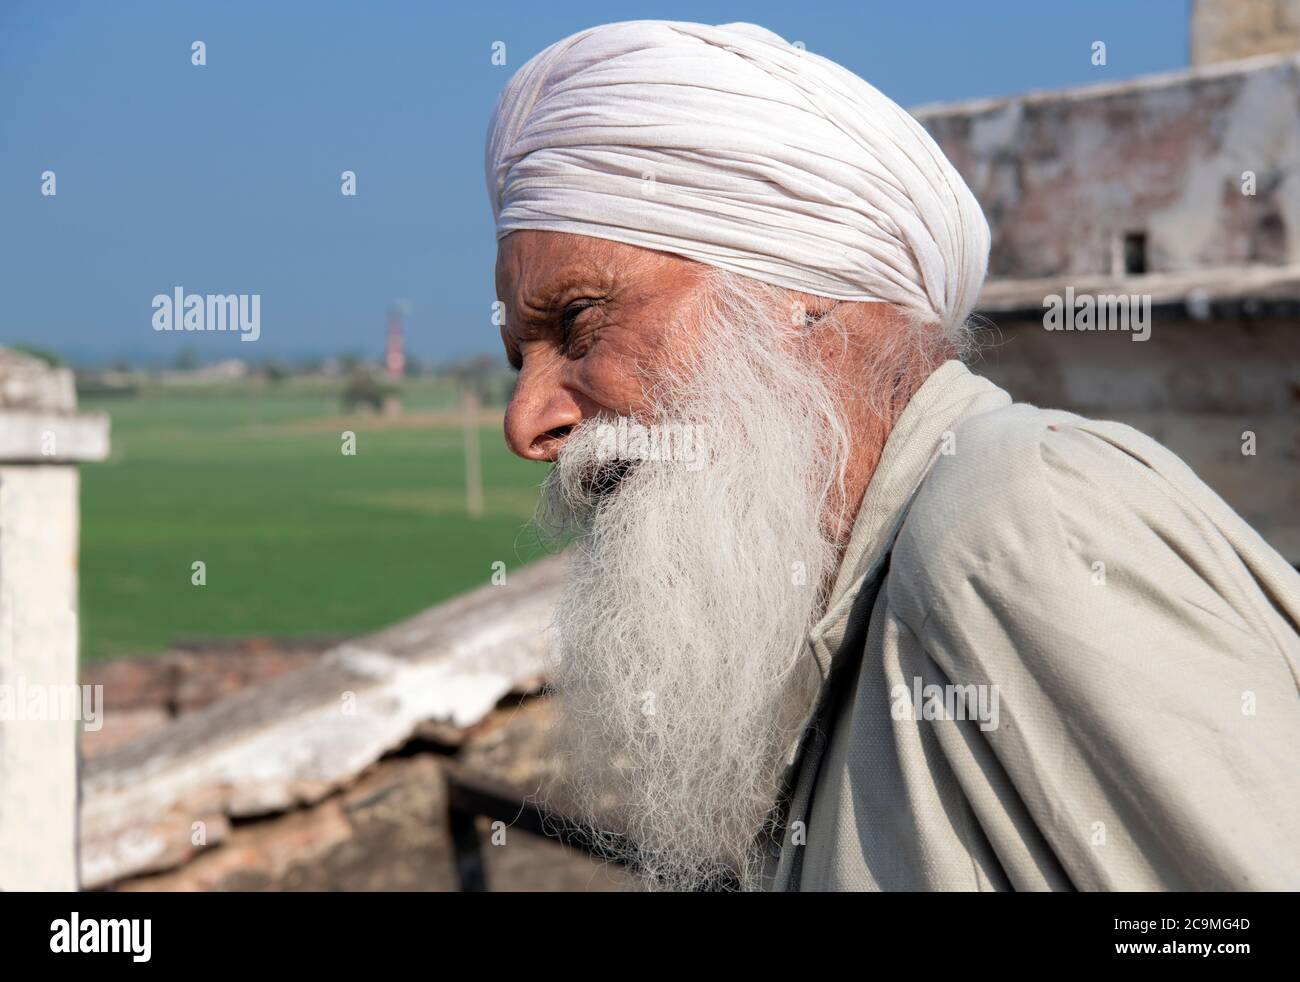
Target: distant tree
x=276 y=371
x=186 y=361
x=44 y=354
x=363 y=389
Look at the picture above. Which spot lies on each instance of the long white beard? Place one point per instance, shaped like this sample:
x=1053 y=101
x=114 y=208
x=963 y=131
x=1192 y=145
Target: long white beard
x=678 y=645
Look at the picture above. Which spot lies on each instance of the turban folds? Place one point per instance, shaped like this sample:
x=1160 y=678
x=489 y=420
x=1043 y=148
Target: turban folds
x=730 y=146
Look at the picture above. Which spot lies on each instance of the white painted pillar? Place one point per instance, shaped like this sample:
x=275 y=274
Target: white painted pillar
x=41 y=441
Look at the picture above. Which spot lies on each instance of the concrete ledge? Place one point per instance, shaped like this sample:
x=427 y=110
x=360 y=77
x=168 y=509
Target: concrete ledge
x=1263 y=287
x=37 y=437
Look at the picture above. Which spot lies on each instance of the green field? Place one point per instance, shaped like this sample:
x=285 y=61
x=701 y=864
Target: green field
x=298 y=539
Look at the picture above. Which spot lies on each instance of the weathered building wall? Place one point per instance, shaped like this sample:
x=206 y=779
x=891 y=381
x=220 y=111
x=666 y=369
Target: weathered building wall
x=1140 y=189
x=1227 y=29
x=1065 y=177
x=1227 y=365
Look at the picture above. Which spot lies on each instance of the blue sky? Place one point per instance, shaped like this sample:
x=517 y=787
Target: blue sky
x=225 y=178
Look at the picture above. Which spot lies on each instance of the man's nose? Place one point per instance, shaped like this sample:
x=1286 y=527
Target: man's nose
x=539 y=419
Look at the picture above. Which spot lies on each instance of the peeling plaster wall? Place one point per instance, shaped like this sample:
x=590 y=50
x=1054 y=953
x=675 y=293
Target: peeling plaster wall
x=1064 y=176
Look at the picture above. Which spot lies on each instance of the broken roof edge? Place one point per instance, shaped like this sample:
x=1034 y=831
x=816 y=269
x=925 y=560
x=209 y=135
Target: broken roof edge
x=1103 y=90
x=1255 y=289
x=297 y=738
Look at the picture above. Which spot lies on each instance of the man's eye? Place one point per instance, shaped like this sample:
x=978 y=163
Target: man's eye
x=569 y=321
x=570 y=314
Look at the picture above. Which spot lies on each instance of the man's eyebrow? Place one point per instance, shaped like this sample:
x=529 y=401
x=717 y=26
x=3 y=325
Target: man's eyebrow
x=548 y=299
x=537 y=311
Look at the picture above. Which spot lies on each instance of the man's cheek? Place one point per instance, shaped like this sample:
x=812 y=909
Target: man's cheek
x=614 y=384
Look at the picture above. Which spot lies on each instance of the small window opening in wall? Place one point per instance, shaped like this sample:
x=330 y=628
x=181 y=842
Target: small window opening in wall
x=1135 y=252
x=1268 y=244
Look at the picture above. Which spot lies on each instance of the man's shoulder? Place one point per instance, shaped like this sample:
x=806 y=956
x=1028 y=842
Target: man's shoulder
x=1016 y=467
x=1040 y=495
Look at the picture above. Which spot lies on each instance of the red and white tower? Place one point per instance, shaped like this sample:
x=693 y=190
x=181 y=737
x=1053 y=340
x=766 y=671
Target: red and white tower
x=395 y=350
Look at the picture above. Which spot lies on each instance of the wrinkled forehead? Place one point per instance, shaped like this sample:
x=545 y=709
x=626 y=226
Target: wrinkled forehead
x=534 y=263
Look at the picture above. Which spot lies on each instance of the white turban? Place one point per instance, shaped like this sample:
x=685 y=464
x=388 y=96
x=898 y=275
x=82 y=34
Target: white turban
x=730 y=146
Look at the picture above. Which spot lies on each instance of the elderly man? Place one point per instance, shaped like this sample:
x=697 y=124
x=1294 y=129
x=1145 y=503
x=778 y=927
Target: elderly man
x=840 y=614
